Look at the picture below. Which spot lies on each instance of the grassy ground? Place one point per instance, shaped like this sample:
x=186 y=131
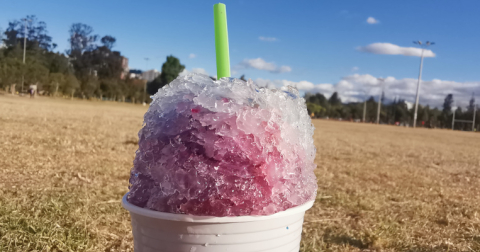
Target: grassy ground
x=64 y=165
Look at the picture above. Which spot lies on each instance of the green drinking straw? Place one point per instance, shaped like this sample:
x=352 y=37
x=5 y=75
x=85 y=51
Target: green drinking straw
x=221 y=40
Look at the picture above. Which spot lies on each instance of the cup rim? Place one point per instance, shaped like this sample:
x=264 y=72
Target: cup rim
x=212 y=219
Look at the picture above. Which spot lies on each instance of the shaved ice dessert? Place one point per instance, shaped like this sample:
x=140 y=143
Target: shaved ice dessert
x=224 y=148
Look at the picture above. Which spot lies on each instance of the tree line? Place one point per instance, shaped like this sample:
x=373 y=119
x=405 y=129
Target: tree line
x=89 y=69
x=395 y=112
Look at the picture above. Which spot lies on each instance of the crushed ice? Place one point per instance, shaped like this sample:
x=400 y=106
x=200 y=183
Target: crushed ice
x=224 y=148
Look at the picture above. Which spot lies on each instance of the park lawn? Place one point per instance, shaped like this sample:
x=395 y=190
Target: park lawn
x=64 y=166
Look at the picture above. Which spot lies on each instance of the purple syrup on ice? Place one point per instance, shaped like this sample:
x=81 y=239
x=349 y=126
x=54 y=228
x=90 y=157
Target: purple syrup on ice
x=224 y=148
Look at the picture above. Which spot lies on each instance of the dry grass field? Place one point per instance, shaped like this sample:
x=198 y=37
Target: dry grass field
x=64 y=165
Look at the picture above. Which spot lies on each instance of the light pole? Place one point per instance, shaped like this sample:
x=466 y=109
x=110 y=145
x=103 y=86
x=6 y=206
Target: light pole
x=365 y=92
x=423 y=46
x=453 y=118
x=24 y=48
x=474 y=113
x=145 y=87
x=382 y=82
x=364 y=109
x=364 y=105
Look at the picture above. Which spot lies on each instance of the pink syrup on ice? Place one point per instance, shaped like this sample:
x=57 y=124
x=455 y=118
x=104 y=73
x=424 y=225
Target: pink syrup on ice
x=224 y=148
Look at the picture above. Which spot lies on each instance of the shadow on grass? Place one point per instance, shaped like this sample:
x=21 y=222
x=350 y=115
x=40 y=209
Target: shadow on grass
x=347 y=240
x=133 y=142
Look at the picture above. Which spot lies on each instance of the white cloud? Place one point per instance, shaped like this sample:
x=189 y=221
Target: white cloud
x=192 y=55
x=194 y=70
x=356 y=87
x=387 y=48
x=184 y=72
x=268 y=39
x=372 y=20
x=284 y=69
x=306 y=86
x=199 y=71
x=355 y=68
x=261 y=64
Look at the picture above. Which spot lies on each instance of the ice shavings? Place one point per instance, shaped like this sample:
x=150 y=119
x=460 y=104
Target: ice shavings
x=224 y=148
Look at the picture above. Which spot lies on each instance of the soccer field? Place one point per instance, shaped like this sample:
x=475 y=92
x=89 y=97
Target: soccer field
x=64 y=166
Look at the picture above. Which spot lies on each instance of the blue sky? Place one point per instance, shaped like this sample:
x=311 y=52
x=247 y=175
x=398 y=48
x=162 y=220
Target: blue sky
x=318 y=41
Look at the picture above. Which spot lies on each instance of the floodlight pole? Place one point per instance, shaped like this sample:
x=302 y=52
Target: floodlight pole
x=364 y=108
x=453 y=120
x=24 y=39
x=419 y=79
x=380 y=99
x=24 y=49
x=145 y=85
x=474 y=113
x=365 y=105
x=418 y=91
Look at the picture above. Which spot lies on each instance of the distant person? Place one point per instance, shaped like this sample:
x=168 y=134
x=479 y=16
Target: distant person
x=32 y=90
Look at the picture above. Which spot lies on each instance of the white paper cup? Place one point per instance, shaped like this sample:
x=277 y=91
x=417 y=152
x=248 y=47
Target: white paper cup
x=167 y=232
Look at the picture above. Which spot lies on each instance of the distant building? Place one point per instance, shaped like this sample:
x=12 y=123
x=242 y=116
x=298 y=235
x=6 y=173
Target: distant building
x=125 y=64
x=150 y=75
x=124 y=67
x=135 y=74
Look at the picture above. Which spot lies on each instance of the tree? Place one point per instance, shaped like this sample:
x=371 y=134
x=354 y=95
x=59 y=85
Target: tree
x=422 y=114
x=317 y=98
x=243 y=77
x=108 y=41
x=170 y=71
x=71 y=84
x=11 y=35
x=35 y=73
x=11 y=70
x=81 y=39
x=110 y=88
x=334 y=100
x=402 y=114
x=37 y=34
x=89 y=86
x=459 y=115
x=108 y=64
x=447 y=104
x=433 y=115
x=396 y=111
x=315 y=109
x=445 y=119
x=134 y=90
x=57 y=80
x=471 y=104
x=97 y=67
x=371 y=115
x=57 y=63
x=92 y=70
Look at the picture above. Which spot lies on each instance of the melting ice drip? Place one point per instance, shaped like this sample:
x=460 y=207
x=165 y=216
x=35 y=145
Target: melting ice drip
x=224 y=148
